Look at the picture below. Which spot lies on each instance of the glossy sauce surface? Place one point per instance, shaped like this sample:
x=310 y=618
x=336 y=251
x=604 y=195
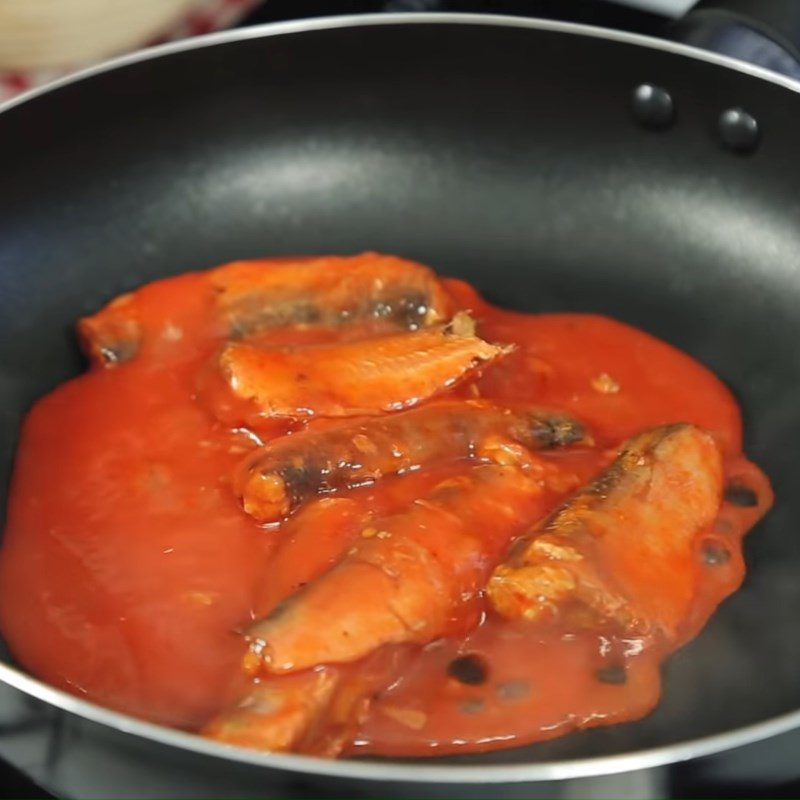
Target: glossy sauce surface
x=129 y=568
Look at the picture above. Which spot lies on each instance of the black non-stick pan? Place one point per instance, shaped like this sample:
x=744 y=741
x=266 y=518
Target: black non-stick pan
x=511 y=153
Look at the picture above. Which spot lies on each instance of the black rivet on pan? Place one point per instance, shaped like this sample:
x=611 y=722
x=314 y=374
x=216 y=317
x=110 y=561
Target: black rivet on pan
x=653 y=106
x=738 y=130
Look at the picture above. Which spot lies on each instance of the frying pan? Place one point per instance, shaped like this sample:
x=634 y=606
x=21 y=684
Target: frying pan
x=500 y=150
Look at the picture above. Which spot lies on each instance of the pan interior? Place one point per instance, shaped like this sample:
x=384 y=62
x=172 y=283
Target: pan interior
x=501 y=155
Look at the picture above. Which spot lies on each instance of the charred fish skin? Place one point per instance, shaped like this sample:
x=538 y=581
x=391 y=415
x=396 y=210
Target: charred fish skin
x=258 y=295
x=280 y=477
x=409 y=311
x=252 y=296
x=541 y=429
x=637 y=521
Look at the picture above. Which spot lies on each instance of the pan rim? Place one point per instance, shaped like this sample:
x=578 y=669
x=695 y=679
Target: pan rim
x=404 y=18
x=387 y=769
x=418 y=771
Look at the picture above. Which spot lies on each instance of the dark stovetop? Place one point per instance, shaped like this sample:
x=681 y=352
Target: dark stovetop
x=685 y=780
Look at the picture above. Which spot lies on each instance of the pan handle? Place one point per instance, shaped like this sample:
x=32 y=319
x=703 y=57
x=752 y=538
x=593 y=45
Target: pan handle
x=763 y=32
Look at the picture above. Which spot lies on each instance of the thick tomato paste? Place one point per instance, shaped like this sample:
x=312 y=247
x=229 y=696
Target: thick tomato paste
x=130 y=569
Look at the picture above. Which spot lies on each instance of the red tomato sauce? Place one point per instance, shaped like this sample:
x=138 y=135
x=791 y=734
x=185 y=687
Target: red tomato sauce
x=128 y=568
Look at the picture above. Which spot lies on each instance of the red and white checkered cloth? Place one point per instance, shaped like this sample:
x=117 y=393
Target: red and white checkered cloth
x=205 y=16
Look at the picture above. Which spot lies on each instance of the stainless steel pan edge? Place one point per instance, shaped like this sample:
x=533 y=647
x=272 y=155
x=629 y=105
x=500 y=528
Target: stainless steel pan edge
x=388 y=770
